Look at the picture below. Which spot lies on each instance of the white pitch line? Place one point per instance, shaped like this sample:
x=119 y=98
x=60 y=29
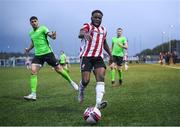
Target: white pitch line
x=168 y=66
x=172 y=67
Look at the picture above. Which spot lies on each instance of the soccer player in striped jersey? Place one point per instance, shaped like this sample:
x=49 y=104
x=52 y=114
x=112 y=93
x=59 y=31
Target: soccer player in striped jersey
x=43 y=53
x=94 y=37
x=126 y=58
x=119 y=43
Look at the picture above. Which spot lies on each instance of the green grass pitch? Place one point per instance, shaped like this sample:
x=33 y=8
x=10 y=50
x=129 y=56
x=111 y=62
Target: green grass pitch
x=150 y=95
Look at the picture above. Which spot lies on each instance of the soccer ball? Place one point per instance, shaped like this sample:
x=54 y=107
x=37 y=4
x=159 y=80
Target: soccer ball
x=92 y=115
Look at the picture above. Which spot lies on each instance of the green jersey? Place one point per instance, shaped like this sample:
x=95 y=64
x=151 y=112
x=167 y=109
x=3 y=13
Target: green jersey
x=63 y=59
x=40 y=41
x=117 y=50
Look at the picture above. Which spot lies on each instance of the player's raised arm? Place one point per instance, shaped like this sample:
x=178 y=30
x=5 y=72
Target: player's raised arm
x=27 y=50
x=126 y=46
x=52 y=35
x=84 y=35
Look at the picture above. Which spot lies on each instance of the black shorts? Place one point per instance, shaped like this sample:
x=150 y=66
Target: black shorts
x=118 y=60
x=49 y=58
x=89 y=63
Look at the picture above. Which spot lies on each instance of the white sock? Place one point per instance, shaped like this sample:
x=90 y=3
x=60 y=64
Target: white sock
x=100 y=90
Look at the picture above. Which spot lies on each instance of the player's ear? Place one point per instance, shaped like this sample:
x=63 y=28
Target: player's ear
x=91 y=18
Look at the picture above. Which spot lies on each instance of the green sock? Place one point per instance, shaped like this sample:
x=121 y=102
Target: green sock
x=113 y=75
x=33 y=83
x=120 y=74
x=67 y=70
x=65 y=75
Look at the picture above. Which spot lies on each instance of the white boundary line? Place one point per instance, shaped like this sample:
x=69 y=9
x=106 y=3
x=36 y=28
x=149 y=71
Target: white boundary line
x=168 y=66
x=172 y=67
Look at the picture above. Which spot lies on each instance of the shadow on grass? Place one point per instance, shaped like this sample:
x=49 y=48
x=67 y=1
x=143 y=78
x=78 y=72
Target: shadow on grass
x=61 y=109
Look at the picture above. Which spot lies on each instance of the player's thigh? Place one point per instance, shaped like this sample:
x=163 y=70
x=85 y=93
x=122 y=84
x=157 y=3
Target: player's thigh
x=119 y=61
x=86 y=64
x=99 y=69
x=36 y=64
x=51 y=60
x=100 y=74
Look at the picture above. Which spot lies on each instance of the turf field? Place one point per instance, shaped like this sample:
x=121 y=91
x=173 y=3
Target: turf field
x=150 y=95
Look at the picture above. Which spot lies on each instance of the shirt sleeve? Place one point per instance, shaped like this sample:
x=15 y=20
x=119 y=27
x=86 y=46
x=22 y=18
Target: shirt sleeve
x=86 y=27
x=45 y=30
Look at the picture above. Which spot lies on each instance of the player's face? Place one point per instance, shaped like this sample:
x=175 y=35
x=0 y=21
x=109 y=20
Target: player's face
x=96 y=19
x=119 y=33
x=34 y=23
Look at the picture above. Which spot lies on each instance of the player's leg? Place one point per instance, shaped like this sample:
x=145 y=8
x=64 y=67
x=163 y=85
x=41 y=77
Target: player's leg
x=51 y=60
x=119 y=67
x=85 y=78
x=113 y=71
x=86 y=67
x=100 y=85
x=65 y=67
x=66 y=76
x=35 y=67
x=126 y=65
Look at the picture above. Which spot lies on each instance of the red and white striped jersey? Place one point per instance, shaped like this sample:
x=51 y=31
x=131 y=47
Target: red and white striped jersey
x=93 y=48
x=126 y=53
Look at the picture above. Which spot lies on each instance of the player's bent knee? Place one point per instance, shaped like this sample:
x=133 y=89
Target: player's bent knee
x=58 y=68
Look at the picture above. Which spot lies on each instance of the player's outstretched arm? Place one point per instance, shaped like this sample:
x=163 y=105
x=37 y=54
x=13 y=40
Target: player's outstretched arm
x=126 y=46
x=27 y=50
x=84 y=35
x=52 y=35
x=123 y=46
x=107 y=49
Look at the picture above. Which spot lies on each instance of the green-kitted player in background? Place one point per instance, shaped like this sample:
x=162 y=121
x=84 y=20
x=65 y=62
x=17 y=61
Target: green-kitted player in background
x=119 y=43
x=43 y=53
x=63 y=61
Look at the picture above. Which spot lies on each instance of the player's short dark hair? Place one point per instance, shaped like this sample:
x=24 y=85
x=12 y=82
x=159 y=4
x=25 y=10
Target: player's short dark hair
x=32 y=18
x=119 y=28
x=97 y=11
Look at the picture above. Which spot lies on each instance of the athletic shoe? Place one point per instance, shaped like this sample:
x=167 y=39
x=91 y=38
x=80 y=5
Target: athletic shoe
x=30 y=97
x=74 y=85
x=113 y=83
x=120 y=82
x=102 y=105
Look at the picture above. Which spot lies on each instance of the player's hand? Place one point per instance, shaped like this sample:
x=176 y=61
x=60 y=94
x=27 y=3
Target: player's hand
x=87 y=37
x=53 y=35
x=120 y=45
x=26 y=50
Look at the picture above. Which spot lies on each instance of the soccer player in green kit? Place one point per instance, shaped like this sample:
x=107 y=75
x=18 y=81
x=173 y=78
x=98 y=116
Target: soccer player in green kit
x=119 y=43
x=43 y=53
x=63 y=61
